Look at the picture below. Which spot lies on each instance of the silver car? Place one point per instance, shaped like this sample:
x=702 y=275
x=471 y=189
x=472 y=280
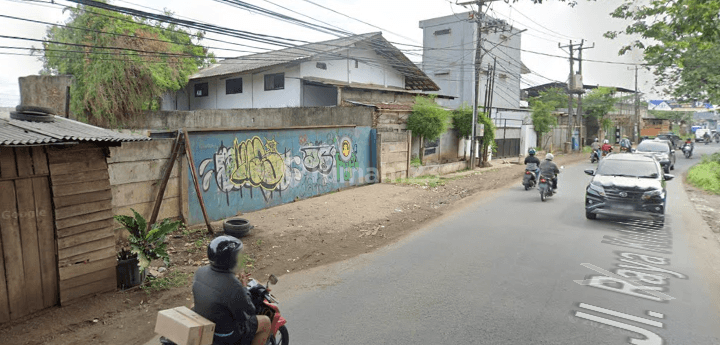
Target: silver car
x=661 y=150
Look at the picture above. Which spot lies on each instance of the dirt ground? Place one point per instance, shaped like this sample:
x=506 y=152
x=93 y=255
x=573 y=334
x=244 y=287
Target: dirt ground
x=286 y=238
x=707 y=204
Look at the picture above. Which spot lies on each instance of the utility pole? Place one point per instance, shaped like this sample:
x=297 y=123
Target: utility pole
x=582 y=91
x=572 y=121
x=636 y=134
x=569 y=90
x=478 y=17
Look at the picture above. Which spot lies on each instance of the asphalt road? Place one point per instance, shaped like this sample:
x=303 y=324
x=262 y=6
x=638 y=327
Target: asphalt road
x=510 y=269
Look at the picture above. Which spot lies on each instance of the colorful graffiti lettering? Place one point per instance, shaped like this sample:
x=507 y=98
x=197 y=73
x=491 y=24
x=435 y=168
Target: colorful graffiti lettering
x=346 y=158
x=257 y=164
x=318 y=158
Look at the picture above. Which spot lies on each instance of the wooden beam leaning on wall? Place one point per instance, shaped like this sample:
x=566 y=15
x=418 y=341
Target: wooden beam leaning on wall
x=188 y=152
x=164 y=181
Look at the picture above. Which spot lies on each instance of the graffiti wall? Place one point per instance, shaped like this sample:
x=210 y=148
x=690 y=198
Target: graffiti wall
x=250 y=170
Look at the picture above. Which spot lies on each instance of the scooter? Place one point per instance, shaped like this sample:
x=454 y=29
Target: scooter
x=529 y=177
x=594 y=157
x=545 y=187
x=265 y=304
x=687 y=150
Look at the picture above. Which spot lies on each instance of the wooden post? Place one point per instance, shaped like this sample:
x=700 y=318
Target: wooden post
x=379 y=156
x=164 y=181
x=188 y=152
x=409 y=152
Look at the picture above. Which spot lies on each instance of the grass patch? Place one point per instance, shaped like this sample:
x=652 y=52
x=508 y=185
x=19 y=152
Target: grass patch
x=246 y=262
x=171 y=280
x=587 y=149
x=431 y=181
x=415 y=162
x=706 y=175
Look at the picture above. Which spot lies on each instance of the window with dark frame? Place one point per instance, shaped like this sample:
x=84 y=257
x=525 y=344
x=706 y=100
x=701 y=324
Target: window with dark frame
x=321 y=65
x=274 y=81
x=201 y=90
x=442 y=32
x=233 y=86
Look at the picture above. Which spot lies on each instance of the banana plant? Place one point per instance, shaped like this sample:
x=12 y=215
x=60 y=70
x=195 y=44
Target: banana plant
x=147 y=243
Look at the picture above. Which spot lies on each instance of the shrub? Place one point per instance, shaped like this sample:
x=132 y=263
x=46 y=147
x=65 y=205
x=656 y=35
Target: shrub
x=706 y=175
x=147 y=244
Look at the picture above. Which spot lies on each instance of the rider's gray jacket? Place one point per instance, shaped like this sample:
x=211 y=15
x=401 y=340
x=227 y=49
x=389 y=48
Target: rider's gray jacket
x=549 y=169
x=221 y=298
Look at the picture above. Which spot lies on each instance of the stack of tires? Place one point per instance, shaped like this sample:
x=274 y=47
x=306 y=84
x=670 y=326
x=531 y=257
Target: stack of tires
x=237 y=227
x=32 y=113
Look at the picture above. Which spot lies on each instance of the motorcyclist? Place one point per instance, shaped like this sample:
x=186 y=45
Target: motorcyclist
x=532 y=159
x=625 y=144
x=689 y=142
x=223 y=299
x=606 y=147
x=596 y=147
x=550 y=170
x=706 y=137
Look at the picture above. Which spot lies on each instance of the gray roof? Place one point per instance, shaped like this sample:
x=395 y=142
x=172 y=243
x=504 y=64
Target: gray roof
x=17 y=132
x=415 y=78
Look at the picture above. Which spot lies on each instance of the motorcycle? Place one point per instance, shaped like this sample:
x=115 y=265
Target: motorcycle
x=545 y=187
x=624 y=149
x=687 y=150
x=594 y=157
x=265 y=304
x=530 y=176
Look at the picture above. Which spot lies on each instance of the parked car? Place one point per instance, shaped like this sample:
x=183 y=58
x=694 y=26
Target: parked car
x=659 y=149
x=627 y=185
x=672 y=137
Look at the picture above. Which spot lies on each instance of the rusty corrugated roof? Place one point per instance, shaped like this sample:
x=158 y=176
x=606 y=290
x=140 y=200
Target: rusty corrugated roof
x=18 y=132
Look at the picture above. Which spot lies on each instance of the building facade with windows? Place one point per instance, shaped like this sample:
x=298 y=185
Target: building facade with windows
x=310 y=75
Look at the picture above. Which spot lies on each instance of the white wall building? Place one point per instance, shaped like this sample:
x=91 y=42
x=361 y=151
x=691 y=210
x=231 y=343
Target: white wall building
x=449 y=45
x=304 y=76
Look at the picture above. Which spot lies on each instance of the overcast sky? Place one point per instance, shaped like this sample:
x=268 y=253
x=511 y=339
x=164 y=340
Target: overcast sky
x=548 y=24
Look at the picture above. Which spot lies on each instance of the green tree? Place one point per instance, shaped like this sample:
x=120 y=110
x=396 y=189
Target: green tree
x=598 y=103
x=121 y=64
x=427 y=120
x=543 y=106
x=680 y=40
x=462 y=122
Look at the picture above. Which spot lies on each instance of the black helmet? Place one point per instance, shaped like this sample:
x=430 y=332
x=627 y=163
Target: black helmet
x=223 y=251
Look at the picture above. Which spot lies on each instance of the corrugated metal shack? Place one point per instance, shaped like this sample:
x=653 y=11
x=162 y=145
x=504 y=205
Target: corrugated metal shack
x=56 y=227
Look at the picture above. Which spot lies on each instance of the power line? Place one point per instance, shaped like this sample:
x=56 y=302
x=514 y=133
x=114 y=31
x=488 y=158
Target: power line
x=358 y=20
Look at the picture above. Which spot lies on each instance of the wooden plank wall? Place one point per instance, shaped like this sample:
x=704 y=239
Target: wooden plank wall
x=83 y=218
x=135 y=170
x=28 y=263
x=394 y=155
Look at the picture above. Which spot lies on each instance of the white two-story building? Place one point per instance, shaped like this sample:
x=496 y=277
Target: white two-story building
x=303 y=76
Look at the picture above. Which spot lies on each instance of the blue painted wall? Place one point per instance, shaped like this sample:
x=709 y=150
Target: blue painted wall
x=251 y=170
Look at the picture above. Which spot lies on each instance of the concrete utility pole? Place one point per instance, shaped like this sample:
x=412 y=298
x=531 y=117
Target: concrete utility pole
x=636 y=134
x=569 y=88
x=582 y=91
x=478 y=17
x=577 y=119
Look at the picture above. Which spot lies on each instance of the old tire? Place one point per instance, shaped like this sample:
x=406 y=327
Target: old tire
x=237 y=227
x=33 y=109
x=590 y=215
x=31 y=117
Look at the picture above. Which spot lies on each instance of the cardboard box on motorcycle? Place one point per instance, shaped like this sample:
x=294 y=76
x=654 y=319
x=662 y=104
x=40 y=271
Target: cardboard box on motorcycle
x=184 y=327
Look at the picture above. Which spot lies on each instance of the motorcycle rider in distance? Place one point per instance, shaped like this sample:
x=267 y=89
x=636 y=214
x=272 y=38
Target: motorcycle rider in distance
x=625 y=144
x=550 y=170
x=532 y=159
x=689 y=142
x=596 y=147
x=606 y=147
x=223 y=299
x=706 y=138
